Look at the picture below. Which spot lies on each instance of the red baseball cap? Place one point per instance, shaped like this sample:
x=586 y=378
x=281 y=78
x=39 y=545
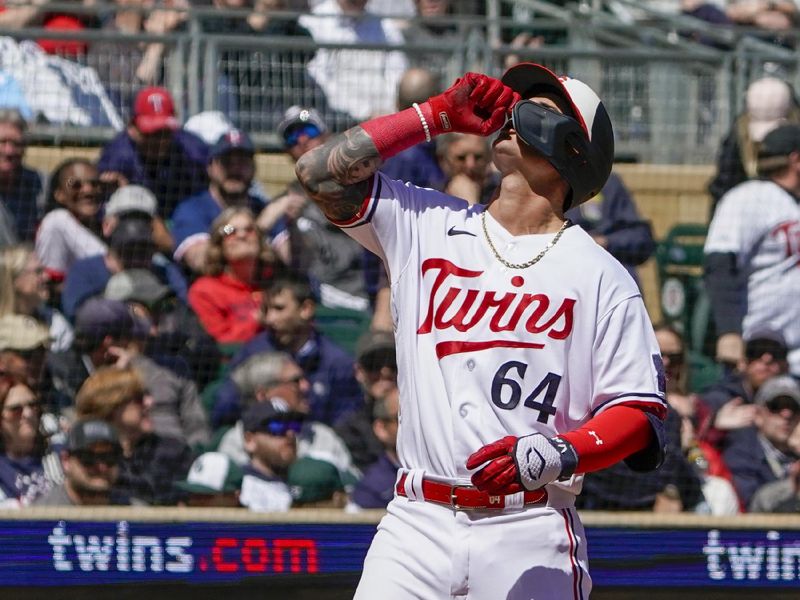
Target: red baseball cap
x=154 y=110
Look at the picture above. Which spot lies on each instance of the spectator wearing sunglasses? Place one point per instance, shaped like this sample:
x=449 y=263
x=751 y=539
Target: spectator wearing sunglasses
x=227 y=298
x=71 y=229
x=270 y=439
x=329 y=257
x=91 y=470
x=231 y=171
x=28 y=468
x=149 y=463
x=769 y=450
x=276 y=376
x=730 y=401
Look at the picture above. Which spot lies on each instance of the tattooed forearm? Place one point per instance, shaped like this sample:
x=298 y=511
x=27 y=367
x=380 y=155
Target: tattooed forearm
x=336 y=175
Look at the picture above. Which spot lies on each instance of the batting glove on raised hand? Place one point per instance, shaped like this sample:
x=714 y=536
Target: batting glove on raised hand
x=525 y=463
x=475 y=103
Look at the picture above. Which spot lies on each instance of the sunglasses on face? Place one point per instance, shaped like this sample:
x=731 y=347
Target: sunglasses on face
x=782 y=403
x=75 y=184
x=16 y=410
x=230 y=230
x=674 y=358
x=293 y=135
x=90 y=459
x=280 y=428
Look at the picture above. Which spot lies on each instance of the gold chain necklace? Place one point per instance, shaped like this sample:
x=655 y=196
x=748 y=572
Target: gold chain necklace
x=532 y=261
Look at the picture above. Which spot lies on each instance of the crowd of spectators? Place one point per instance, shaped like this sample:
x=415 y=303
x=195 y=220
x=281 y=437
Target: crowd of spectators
x=159 y=332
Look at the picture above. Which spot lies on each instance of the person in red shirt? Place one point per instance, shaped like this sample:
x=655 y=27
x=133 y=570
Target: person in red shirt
x=227 y=298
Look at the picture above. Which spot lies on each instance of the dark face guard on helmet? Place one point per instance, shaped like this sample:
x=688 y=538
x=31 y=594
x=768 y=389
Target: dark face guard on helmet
x=563 y=142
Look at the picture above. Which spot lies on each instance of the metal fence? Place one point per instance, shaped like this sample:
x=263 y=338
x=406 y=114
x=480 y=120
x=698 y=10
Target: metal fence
x=671 y=86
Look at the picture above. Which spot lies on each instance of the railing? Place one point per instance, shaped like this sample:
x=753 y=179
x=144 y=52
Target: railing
x=670 y=97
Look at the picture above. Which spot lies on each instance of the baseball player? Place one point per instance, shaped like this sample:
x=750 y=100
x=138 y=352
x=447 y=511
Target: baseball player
x=752 y=253
x=524 y=352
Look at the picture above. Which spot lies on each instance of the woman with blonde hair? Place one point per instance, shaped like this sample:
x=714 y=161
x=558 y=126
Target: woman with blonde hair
x=24 y=291
x=227 y=298
x=150 y=462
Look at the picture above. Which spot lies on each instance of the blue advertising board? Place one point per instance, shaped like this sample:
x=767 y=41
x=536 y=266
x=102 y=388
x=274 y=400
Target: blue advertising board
x=64 y=553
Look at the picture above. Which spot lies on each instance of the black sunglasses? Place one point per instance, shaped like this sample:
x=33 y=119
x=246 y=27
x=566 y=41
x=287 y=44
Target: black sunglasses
x=90 y=459
x=74 y=183
x=674 y=358
x=779 y=404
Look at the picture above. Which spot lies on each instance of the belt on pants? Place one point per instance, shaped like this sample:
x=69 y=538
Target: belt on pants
x=465 y=497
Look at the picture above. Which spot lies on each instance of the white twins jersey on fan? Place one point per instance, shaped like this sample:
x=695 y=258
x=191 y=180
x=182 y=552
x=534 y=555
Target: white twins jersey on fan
x=759 y=222
x=484 y=351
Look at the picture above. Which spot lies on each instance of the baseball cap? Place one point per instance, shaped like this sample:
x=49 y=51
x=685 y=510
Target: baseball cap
x=131 y=199
x=154 y=110
x=781 y=141
x=100 y=317
x=768 y=101
x=261 y=415
x=208 y=125
x=130 y=231
x=136 y=285
x=375 y=349
x=782 y=386
x=312 y=480
x=212 y=473
x=83 y=434
x=22 y=333
x=765 y=342
x=230 y=141
x=297 y=116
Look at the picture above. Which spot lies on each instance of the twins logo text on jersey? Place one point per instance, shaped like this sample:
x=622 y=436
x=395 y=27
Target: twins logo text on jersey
x=453 y=304
x=790 y=231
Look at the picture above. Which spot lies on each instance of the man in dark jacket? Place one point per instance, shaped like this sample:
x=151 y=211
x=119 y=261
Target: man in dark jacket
x=154 y=152
x=289 y=316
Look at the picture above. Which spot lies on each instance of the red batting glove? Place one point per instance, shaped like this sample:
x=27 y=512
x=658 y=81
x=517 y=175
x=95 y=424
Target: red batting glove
x=475 y=103
x=500 y=476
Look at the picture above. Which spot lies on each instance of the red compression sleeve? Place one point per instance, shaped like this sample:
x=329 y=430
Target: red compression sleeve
x=397 y=132
x=609 y=437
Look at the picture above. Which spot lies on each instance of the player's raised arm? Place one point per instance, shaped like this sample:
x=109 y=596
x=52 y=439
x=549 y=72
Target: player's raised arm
x=337 y=174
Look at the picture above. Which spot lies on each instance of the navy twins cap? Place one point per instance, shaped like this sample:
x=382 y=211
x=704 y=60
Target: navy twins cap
x=232 y=141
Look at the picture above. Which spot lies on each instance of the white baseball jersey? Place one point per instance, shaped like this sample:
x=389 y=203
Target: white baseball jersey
x=484 y=351
x=759 y=222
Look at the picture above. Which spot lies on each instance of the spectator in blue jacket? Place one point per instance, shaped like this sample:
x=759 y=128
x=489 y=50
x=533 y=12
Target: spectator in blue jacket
x=231 y=170
x=765 y=452
x=289 y=316
x=154 y=152
x=376 y=487
x=129 y=226
x=612 y=220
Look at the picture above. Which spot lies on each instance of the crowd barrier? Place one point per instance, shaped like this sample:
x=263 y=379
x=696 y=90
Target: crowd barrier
x=172 y=552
